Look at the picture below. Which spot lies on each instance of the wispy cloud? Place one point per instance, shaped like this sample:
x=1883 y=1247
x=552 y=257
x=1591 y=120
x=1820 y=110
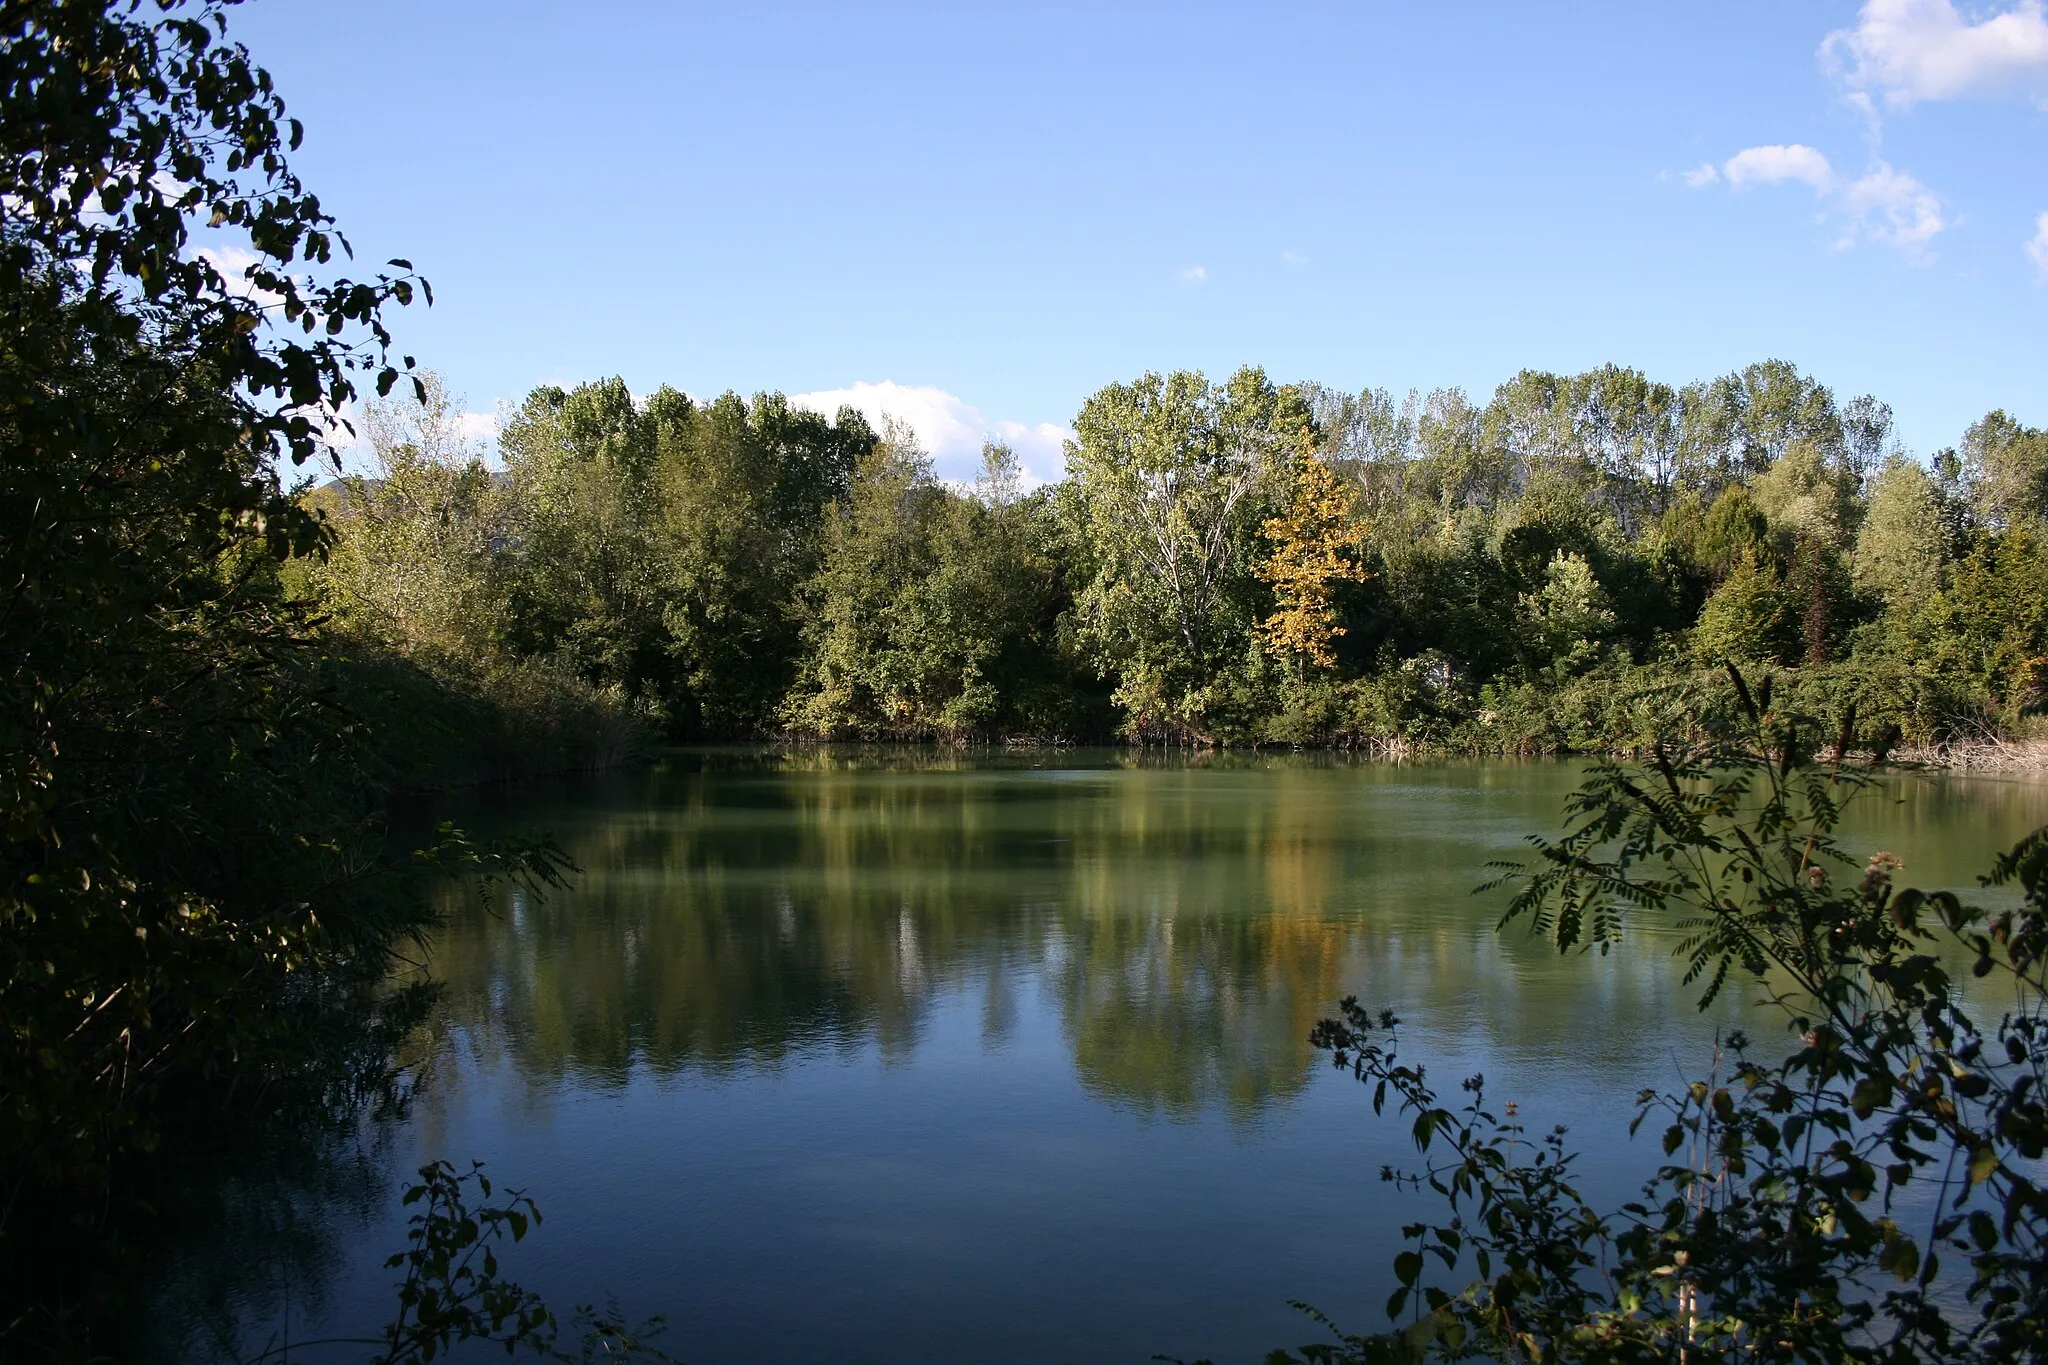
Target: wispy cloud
x=948 y=427
x=2037 y=248
x=1882 y=205
x=1891 y=207
x=1293 y=258
x=1194 y=274
x=1908 y=51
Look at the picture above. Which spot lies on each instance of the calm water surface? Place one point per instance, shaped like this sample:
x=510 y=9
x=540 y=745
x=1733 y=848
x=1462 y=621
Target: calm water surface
x=934 y=1058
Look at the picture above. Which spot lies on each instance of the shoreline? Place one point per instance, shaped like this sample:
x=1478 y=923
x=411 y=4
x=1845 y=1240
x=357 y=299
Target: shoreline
x=1983 y=755
x=1979 y=756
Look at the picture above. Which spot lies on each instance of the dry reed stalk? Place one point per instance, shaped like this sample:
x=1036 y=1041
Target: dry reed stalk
x=1982 y=755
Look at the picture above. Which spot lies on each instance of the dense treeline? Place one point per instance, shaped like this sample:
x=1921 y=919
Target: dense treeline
x=1239 y=563
x=649 y=551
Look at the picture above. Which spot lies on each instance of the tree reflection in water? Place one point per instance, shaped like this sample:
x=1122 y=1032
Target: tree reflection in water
x=1188 y=922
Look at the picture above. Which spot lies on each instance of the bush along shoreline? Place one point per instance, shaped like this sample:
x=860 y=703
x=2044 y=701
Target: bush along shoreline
x=1864 y=1188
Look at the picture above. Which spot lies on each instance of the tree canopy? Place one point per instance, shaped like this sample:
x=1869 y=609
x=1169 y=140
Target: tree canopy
x=1563 y=567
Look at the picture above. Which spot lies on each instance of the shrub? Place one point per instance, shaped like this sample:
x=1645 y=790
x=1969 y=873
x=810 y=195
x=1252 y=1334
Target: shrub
x=1775 y=1227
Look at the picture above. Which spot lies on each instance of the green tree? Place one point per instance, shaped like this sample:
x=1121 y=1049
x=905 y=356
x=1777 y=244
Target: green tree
x=662 y=545
x=417 y=558
x=586 y=581
x=1993 y=626
x=1867 y=436
x=2005 y=469
x=1625 y=425
x=1900 y=546
x=1809 y=493
x=1609 y=432
x=1172 y=477
x=1456 y=466
x=744 y=492
x=1735 y=529
x=1368 y=438
x=1741 y=424
x=1565 y=623
x=927 y=606
x=1753 y=616
x=864 y=672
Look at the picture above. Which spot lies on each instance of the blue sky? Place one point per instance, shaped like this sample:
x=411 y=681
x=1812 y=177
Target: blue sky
x=984 y=213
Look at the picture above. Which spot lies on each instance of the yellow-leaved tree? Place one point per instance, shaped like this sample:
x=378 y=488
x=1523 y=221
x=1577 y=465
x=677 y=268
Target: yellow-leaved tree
x=1316 y=546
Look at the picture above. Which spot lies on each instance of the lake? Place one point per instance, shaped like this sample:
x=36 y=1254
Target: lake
x=918 y=1056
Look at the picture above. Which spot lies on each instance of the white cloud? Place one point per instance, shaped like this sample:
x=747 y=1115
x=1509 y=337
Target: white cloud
x=1912 y=50
x=342 y=426
x=349 y=430
x=1293 y=258
x=1042 y=448
x=2037 y=249
x=1774 y=164
x=233 y=263
x=477 y=428
x=1882 y=205
x=944 y=424
x=1194 y=274
x=950 y=429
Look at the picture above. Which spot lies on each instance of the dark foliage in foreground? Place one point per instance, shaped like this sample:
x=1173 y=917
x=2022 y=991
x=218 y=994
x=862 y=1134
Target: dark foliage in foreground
x=199 y=897
x=1869 y=1193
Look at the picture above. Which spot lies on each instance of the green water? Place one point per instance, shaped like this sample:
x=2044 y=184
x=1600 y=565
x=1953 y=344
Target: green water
x=926 y=1057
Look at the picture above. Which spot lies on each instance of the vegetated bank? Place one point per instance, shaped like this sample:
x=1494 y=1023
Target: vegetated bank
x=1564 y=568
x=201 y=895
x=1866 y=1188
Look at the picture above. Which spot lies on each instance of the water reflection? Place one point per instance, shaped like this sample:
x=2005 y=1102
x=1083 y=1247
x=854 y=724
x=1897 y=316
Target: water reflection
x=1187 y=924
x=885 y=1056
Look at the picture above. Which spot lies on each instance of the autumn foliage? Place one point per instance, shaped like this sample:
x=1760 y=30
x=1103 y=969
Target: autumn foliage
x=1316 y=546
